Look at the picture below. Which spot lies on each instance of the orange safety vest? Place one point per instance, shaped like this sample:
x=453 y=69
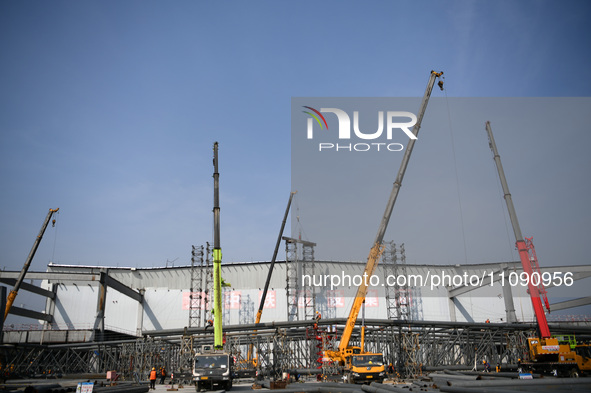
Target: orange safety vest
x=152 y=375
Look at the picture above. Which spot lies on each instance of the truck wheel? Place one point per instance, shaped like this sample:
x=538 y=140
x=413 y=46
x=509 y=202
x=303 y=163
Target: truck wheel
x=574 y=373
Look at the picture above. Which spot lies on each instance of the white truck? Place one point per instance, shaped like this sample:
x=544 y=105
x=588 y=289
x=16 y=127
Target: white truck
x=214 y=368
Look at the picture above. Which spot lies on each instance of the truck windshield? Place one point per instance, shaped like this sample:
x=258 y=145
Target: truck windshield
x=211 y=361
x=367 y=360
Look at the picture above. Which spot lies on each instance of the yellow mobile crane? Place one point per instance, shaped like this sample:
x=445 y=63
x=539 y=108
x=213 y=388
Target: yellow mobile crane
x=357 y=364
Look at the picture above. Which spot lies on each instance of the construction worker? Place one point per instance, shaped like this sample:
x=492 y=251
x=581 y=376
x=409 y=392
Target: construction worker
x=486 y=366
x=162 y=375
x=209 y=323
x=390 y=369
x=153 y=378
x=316 y=319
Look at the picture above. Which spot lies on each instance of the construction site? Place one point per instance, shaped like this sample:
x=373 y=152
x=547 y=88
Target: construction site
x=296 y=323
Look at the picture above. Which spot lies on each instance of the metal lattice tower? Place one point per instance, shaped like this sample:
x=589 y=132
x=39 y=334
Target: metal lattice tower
x=294 y=290
x=416 y=304
x=246 y=311
x=208 y=285
x=226 y=293
x=398 y=297
x=196 y=294
x=292 y=285
x=411 y=366
x=187 y=353
x=308 y=292
x=403 y=294
x=388 y=257
x=326 y=303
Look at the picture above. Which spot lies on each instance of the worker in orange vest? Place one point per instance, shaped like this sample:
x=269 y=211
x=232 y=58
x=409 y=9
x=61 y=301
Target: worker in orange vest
x=153 y=378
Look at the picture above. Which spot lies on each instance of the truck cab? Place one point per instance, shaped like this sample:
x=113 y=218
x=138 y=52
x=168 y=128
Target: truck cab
x=360 y=366
x=366 y=368
x=213 y=369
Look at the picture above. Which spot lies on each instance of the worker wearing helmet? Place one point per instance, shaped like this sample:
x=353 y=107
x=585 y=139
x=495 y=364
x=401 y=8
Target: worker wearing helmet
x=318 y=316
x=153 y=378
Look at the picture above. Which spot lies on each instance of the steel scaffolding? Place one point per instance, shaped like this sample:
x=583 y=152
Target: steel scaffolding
x=291 y=284
x=208 y=284
x=299 y=295
x=412 y=346
x=246 y=310
x=398 y=296
x=196 y=290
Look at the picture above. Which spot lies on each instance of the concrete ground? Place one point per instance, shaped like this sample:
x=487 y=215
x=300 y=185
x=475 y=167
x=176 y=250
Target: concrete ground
x=241 y=386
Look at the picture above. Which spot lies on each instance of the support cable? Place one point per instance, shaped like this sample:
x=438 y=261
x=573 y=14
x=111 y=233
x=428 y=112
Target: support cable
x=453 y=149
x=54 y=222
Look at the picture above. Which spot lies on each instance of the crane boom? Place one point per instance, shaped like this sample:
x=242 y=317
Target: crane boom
x=277 y=244
x=217 y=256
x=524 y=246
x=12 y=295
x=377 y=249
x=269 y=275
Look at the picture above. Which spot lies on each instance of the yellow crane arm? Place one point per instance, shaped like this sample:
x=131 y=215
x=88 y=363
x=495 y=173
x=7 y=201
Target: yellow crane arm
x=12 y=295
x=372 y=262
x=377 y=249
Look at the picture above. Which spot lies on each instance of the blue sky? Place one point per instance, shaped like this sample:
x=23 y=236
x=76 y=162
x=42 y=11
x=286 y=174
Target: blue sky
x=109 y=110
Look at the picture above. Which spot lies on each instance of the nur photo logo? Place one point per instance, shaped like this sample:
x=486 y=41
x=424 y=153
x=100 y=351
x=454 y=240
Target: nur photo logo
x=388 y=123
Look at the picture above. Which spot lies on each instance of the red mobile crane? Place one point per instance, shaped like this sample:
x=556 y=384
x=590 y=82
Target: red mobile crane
x=558 y=355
